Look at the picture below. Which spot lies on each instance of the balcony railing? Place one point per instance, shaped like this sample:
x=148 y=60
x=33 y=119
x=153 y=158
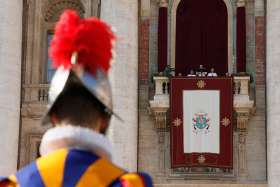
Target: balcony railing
x=241 y=92
x=160 y=103
x=35 y=93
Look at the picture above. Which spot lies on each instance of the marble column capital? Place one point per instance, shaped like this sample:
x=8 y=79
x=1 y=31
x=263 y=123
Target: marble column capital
x=240 y=3
x=163 y=3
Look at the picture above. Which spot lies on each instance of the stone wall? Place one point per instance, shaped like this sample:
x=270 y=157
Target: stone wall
x=148 y=155
x=10 y=83
x=256 y=141
x=154 y=146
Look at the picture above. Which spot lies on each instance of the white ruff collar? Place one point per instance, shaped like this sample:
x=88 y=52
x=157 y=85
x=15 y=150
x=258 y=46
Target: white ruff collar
x=74 y=137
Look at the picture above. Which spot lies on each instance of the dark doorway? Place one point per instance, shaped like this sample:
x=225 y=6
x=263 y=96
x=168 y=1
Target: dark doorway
x=201 y=36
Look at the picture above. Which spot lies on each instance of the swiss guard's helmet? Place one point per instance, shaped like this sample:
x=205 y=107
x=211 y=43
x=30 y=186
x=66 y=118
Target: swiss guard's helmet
x=82 y=51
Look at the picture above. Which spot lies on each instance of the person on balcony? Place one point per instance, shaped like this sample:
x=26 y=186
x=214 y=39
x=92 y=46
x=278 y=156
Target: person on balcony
x=201 y=71
x=192 y=74
x=212 y=73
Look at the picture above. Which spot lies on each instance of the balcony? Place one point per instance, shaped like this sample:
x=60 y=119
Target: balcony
x=34 y=100
x=242 y=104
x=243 y=108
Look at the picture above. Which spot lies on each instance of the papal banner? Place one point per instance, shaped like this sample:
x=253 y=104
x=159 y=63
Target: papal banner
x=201 y=114
x=201 y=121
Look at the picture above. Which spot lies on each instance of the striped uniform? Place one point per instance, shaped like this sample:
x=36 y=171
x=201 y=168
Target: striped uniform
x=69 y=168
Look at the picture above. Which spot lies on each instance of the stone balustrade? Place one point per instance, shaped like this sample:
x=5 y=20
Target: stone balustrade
x=242 y=104
x=35 y=93
x=160 y=103
x=242 y=100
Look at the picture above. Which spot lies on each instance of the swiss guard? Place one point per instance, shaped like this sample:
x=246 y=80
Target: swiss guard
x=75 y=152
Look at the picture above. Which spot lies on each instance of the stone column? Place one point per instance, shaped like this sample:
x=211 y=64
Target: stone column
x=243 y=109
x=10 y=83
x=123 y=15
x=260 y=51
x=273 y=90
x=242 y=126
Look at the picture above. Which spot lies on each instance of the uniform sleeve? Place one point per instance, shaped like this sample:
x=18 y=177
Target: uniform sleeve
x=8 y=184
x=147 y=180
x=8 y=181
x=133 y=180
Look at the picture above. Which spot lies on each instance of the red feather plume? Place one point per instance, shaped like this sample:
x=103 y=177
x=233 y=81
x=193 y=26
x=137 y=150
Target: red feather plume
x=91 y=38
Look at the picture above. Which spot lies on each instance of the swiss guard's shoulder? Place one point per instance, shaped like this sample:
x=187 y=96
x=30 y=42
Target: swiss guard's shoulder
x=134 y=180
x=8 y=181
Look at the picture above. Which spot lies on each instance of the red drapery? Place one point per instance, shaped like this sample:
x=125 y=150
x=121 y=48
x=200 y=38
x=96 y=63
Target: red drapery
x=201 y=36
x=162 y=39
x=241 y=39
x=178 y=157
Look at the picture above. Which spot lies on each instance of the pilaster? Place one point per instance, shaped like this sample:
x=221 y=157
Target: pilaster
x=123 y=16
x=10 y=83
x=273 y=90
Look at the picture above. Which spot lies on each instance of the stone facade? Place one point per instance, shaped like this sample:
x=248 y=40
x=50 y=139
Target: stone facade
x=138 y=145
x=156 y=143
x=213 y=185
x=39 y=19
x=10 y=77
x=273 y=109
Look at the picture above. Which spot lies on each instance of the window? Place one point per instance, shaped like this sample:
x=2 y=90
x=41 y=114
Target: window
x=50 y=69
x=38 y=149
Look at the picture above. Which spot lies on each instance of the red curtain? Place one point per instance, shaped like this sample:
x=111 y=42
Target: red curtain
x=241 y=40
x=201 y=36
x=162 y=39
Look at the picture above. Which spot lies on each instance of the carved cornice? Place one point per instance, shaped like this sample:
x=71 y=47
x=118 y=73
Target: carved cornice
x=160 y=117
x=242 y=121
x=163 y=3
x=56 y=7
x=243 y=106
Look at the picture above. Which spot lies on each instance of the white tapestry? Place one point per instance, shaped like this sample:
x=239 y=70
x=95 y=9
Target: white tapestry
x=201 y=110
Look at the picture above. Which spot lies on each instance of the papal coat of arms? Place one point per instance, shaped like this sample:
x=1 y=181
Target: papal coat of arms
x=201 y=122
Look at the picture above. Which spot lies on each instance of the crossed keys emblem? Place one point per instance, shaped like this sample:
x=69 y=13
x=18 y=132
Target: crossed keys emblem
x=177 y=122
